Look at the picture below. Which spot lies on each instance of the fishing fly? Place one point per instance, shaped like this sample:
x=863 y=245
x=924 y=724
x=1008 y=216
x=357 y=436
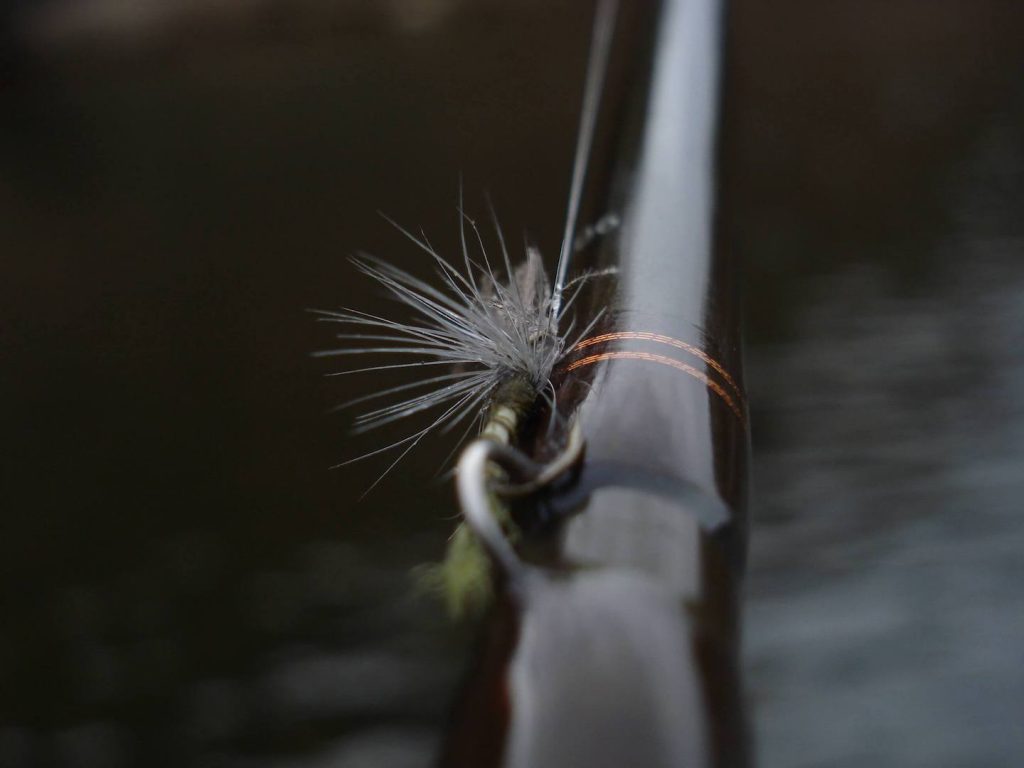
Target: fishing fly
x=493 y=332
x=495 y=329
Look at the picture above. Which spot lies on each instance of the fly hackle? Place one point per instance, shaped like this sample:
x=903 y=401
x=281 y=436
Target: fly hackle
x=481 y=327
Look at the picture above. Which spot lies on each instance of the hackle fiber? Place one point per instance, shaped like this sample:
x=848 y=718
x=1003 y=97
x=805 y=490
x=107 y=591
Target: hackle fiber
x=484 y=328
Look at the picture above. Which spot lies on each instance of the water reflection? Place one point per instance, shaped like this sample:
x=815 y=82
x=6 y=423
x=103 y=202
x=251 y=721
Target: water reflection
x=885 y=620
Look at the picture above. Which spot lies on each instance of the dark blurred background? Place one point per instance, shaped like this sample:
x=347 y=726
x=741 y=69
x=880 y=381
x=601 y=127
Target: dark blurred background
x=186 y=583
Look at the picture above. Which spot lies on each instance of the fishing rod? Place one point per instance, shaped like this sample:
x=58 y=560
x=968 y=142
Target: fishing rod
x=603 y=502
x=615 y=637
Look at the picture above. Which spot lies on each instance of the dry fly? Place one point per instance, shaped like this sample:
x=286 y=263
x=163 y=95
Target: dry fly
x=481 y=326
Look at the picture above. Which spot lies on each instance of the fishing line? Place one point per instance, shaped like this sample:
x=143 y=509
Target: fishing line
x=597 y=67
x=671 y=362
x=497 y=330
x=670 y=341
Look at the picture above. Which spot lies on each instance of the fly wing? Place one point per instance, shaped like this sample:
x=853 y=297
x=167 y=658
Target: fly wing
x=533 y=284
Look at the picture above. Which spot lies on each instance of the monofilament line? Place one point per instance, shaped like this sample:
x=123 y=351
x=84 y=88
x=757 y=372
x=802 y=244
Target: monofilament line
x=496 y=338
x=597 y=67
